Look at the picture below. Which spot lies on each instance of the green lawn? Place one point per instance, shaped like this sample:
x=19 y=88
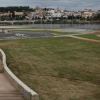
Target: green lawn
x=89 y=36
x=52 y=31
x=56 y=68
x=61 y=33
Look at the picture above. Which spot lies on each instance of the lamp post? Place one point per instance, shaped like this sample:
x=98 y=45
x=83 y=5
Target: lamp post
x=85 y=22
x=72 y=19
x=51 y=22
x=41 y=23
x=79 y=21
x=41 y=16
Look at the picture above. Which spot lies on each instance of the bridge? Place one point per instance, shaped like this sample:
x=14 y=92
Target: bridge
x=16 y=21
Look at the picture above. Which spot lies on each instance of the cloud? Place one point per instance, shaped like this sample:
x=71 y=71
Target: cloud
x=69 y=4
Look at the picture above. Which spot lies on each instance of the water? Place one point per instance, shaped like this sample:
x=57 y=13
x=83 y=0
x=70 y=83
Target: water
x=79 y=26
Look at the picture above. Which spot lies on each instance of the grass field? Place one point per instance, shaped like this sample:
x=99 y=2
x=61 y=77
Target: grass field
x=52 y=31
x=56 y=68
x=90 y=36
x=61 y=33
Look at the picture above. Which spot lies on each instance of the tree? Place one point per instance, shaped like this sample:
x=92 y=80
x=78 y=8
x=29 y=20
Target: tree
x=13 y=14
x=98 y=16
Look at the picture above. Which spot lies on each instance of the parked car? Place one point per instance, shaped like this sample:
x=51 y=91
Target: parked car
x=19 y=34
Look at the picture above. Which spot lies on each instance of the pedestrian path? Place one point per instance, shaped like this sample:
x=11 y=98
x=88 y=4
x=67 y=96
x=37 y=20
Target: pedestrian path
x=7 y=90
x=76 y=37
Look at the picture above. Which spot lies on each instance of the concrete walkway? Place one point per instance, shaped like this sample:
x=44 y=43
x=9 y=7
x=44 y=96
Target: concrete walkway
x=7 y=90
x=85 y=39
x=76 y=37
x=5 y=84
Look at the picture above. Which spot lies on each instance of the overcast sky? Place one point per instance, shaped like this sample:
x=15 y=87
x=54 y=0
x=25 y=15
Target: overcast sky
x=68 y=4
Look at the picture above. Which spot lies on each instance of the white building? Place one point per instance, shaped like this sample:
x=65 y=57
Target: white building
x=58 y=14
x=87 y=13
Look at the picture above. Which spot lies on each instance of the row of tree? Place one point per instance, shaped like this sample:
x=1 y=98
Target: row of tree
x=15 y=8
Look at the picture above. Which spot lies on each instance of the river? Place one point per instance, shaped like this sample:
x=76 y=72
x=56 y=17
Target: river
x=80 y=26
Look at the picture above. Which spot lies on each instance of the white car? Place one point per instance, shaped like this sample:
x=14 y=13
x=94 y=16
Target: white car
x=19 y=34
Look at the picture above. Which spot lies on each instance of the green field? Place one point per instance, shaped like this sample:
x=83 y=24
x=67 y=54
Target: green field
x=89 y=36
x=56 y=68
x=62 y=33
x=54 y=31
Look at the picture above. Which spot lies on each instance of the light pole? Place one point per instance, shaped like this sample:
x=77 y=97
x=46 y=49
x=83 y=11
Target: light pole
x=41 y=16
x=72 y=19
x=51 y=22
x=41 y=23
x=79 y=21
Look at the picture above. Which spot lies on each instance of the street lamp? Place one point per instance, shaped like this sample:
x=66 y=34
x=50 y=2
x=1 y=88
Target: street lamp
x=79 y=21
x=41 y=23
x=72 y=19
x=41 y=16
x=85 y=22
x=51 y=22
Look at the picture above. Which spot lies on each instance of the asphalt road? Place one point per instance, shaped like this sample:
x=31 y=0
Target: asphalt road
x=20 y=35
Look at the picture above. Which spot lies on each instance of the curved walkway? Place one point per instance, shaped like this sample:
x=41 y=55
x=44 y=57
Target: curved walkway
x=85 y=39
x=76 y=37
x=98 y=35
x=7 y=90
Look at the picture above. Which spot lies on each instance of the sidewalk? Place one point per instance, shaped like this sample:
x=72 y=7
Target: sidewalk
x=76 y=37
x=5 y=84
x=7 y=90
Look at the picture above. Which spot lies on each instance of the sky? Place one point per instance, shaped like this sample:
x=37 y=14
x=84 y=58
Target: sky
x=62 y=4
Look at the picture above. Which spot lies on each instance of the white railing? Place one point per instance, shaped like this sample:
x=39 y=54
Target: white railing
x=18 y=84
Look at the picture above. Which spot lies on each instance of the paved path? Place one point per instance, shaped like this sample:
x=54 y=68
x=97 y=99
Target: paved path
x=85 y=39
x=7 y=90
x=5 y=84
x=80 y=38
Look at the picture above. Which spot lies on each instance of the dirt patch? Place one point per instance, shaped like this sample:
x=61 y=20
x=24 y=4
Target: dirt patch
x=97 y=32
x=9 y=43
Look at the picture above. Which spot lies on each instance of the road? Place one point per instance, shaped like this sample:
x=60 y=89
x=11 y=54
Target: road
x=21 y=35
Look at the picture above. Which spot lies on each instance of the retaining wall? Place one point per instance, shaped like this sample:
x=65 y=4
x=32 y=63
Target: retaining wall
x=18 y=84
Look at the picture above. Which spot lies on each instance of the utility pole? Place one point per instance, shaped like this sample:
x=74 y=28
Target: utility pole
x=51 y=22
x=41 y=16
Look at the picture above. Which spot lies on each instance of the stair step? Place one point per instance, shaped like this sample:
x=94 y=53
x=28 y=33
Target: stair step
x=9 y=92
x=13 y=98
x=1 y=69
x=13 y=91
x=11 y=95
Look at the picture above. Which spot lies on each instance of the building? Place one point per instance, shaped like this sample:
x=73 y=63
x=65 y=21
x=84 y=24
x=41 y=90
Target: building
x=86 y=13
x=18 y=13
x=5 y=13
